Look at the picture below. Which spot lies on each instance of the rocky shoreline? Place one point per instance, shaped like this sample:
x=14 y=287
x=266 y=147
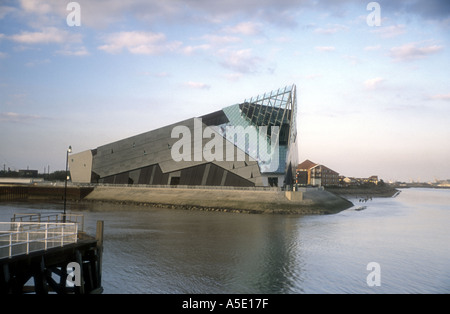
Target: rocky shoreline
x=355 y=191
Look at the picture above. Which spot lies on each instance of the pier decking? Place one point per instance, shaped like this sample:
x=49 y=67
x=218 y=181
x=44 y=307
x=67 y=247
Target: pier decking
x=51 y=252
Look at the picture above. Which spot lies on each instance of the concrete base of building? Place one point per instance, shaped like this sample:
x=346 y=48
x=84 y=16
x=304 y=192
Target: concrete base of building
x=313 y=201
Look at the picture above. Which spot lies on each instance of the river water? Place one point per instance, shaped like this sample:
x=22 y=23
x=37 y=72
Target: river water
x=154 y=250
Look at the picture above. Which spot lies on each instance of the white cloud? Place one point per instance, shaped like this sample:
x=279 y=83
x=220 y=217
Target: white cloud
x=390 y=31
x=233 y=76
x=69 y=51
x=197 y=85
x=37 y=62
x=373 y=83
x=445 y=97
x=331 y=29
x=412 y=51
x=46 y=35
x=241 y=61
x=36 y=6
x=352 y=59
x=17 y=117
x=138 y=43
x=188 y=50
x=244 y=28
x=325 y=48
x=221 y=40
x=372 y=48
x=313 y=76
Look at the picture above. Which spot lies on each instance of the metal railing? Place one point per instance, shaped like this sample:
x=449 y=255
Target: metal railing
x=51 y=217
x=17 y=238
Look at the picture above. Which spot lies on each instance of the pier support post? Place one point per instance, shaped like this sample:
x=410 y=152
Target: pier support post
x=40 y=278
x=99 y=237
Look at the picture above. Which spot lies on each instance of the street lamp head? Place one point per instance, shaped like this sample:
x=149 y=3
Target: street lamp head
x=69 y=150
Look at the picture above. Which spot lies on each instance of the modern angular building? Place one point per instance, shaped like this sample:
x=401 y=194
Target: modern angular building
x=253 y=143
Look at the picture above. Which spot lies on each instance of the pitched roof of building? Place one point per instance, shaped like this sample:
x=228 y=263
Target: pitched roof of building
x=307 y=164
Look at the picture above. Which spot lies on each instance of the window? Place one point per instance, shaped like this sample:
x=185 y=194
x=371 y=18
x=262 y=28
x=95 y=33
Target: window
x=174 y=180
x=273 y=181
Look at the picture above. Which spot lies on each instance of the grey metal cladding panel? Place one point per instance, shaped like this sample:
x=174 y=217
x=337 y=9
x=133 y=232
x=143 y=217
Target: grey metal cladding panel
x=134 y=175
x=122 y=178
x=215 y=175
x=145 y=174
x=215 y=118
x=160 y=178
x=131 y=158
x=137 y=151
x=235 y=180
x=171 y=165
x=192 y=175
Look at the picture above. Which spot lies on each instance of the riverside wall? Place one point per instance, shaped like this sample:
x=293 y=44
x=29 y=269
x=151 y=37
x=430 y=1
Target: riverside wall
x=257 y=201
x=42 y=192
x=314 y=201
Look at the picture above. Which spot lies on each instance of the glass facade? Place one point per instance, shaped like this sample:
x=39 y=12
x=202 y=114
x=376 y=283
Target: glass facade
x=277 y=112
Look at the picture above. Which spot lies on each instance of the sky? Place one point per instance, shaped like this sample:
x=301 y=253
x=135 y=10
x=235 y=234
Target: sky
x=373 y=94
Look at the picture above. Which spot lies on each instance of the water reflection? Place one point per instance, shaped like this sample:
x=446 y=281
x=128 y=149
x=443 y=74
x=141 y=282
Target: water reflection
x=150 y=250
x=197 y=252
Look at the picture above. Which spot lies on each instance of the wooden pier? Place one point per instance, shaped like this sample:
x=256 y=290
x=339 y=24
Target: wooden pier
x=50 y=254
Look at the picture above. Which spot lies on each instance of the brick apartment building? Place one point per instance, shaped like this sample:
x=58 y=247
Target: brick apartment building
x=310 y=173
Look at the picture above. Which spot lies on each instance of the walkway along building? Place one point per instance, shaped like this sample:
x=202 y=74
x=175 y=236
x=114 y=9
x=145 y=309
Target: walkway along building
x=253 y=143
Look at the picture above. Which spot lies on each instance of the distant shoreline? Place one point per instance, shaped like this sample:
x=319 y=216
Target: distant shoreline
x=375 y=191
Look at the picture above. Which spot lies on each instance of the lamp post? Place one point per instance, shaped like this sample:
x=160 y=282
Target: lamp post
x=69 y=150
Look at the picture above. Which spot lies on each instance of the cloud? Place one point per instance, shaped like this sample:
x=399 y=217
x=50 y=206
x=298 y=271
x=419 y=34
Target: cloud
x=244 y=28
x=372 y=48
x=197 y=85
x=70 y=51
x=137 y=42
x=17 y=117
x=431 y=9
x=352 y=59
x=390 y=31
x=188 y=50
x=36 y=6
x=221 y=40
x=412 y=51
x=104 y=13
x=445 y=97
x=241 y=61
x=233 y=76
x=46 y=35
x=325 y=48
x=331 y=29
x=37 y=62
x=283 y=13
x=374 y=83
x=313 y=76
x=5 y=10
